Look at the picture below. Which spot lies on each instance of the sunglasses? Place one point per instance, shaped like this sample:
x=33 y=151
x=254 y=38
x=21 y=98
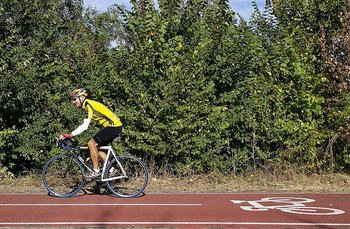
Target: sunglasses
x=74 y=99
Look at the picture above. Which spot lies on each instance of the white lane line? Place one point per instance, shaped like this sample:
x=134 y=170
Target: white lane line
x=45 y=205
x=178 y=223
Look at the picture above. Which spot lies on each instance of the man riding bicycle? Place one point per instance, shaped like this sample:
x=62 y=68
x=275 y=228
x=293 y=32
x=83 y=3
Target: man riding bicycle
x=112 y=127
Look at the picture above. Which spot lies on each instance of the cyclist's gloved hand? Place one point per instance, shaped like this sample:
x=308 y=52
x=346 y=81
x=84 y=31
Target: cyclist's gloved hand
x=65 y=136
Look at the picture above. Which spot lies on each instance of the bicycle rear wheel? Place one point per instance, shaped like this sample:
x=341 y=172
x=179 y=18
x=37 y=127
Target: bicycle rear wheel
x=136 y=180
x=62 y=176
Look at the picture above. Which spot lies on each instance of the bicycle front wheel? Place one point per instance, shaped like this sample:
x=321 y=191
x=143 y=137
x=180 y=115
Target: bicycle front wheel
x=136 y=178
x=62 y=176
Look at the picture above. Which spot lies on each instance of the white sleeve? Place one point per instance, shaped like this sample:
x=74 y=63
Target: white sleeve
x=80 y=129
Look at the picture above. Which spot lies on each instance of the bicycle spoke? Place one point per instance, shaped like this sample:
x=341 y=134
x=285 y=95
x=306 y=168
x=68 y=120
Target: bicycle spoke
x=136 y=176
x=62 y=176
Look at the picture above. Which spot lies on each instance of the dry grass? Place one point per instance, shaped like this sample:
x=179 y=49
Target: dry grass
x=259 y=182
x=338 y=183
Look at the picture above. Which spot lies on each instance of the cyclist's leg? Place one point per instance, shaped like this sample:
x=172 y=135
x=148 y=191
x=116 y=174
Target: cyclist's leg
x=106 y=136
x=94 y=153
x=102 y=155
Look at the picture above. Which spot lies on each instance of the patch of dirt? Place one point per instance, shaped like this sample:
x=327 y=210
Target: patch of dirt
x=332 y=183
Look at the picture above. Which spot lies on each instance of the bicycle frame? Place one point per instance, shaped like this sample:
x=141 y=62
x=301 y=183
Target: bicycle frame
x=63 y=175
x=110 y=152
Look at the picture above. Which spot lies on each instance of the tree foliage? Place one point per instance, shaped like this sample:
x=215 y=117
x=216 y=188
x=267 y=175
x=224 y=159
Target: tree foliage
x=198 y=89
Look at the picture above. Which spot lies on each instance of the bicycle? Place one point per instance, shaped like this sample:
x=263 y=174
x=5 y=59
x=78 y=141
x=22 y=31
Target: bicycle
x=63 y=175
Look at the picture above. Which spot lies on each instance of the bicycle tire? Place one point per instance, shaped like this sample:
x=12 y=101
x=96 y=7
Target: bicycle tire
x=62 y=176
x=137 y=176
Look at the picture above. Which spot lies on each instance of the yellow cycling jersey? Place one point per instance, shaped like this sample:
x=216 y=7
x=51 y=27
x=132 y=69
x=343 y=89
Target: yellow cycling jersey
x=100 y=113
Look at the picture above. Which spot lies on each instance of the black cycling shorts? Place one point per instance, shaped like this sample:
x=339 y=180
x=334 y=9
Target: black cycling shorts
x=106 y=135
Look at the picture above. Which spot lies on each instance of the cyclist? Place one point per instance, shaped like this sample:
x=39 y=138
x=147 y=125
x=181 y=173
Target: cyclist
x=112 y=127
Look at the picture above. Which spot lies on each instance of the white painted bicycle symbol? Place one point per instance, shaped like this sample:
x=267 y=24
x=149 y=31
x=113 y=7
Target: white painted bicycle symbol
x=287 y=204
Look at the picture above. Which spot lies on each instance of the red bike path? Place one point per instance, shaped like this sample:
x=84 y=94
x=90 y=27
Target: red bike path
x=209 y=210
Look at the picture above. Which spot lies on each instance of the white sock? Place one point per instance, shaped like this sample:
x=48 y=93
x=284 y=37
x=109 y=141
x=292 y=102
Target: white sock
x=97 y=170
